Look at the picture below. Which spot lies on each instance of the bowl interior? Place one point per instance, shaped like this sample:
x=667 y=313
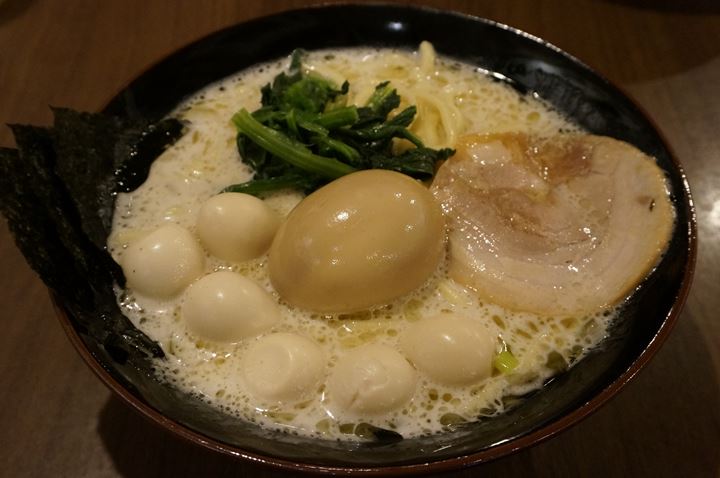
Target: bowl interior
x=530 y=65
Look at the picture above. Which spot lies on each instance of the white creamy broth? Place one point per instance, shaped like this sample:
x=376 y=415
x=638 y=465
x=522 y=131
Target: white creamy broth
x=206 y=160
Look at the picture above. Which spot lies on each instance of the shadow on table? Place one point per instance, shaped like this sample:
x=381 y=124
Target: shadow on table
x=10 y=9
x=139 y=448
x=698 y=7
x=661 y=424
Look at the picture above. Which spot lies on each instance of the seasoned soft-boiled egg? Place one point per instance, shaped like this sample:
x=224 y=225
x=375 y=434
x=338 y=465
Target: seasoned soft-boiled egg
x=227 y=307
x=283 y=367
x=450 y=349
x=372 y=378
x=164 y=262
x=361 y=241
x=236 y=227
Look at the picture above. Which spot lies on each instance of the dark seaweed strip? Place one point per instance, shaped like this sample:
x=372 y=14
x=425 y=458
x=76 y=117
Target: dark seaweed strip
x=59 y=250
x=30 y=223
x=85 y=146
x=43 y=213
x=38 y=219
x=99 y=156
x=37 y=151
x=134 y=154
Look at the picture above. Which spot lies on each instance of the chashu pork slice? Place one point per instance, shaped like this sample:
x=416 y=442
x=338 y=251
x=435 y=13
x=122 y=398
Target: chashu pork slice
x=561 y=226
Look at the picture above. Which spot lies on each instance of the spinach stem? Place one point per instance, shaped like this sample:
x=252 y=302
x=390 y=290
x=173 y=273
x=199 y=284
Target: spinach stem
x=288 y=149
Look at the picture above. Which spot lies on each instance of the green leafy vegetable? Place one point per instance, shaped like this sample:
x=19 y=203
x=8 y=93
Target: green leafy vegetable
x=505 y=362
x=305 y=135
x=288 y=149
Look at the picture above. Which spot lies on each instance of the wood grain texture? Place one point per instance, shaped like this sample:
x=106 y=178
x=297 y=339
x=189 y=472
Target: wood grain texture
x=57 y=419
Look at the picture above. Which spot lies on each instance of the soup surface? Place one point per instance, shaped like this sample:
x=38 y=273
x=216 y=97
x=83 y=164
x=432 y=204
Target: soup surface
x=453 y=99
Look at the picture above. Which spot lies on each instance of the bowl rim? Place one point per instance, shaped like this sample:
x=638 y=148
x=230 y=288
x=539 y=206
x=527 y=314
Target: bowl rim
x=499 y=450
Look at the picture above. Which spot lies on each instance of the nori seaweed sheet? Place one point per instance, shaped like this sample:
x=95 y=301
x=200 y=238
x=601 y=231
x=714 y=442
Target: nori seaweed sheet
x=57 y=191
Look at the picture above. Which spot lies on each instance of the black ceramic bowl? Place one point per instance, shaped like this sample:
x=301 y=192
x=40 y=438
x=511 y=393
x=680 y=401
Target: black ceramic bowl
x=531 y=65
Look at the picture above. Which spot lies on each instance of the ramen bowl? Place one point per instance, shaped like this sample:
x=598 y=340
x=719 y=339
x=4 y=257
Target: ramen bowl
x=529 y=65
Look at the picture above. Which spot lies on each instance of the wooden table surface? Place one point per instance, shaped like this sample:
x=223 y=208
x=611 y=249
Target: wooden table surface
x=57 y=419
